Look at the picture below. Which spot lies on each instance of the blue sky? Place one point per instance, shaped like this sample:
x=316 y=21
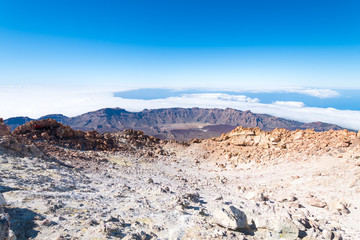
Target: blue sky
x=181 y=43
x=296 y=59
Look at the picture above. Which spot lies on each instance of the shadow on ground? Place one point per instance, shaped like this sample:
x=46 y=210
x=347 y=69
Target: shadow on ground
x=7 y=189
x=22 y=222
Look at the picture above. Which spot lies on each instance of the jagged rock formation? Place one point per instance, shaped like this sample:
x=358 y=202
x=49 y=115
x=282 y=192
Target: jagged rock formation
x=252 y=144
x=51 y=131
x=176 y=123
x=61 y=141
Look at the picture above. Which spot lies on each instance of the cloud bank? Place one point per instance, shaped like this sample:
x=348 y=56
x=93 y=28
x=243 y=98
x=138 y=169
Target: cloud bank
x=36 y=102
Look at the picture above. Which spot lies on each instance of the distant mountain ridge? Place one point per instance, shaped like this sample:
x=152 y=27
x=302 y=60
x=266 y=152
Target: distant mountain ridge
x=176 y=123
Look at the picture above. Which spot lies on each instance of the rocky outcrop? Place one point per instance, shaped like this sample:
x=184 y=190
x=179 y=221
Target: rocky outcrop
x=14 y=145
x=4 y=129
x=143 y=145
x=53 y=132
x=252 y=144
x=62 y=142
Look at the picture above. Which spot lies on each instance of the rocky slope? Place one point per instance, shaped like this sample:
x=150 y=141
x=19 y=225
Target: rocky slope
x=175 y=200
x=176 y=123
x=252 y=144
x=278 y=185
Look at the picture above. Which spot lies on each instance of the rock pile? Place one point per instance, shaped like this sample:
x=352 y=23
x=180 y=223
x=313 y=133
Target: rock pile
x=141 y=144
x=61 y=141
x=15 y=145
x=252 y=144
x=52 y=132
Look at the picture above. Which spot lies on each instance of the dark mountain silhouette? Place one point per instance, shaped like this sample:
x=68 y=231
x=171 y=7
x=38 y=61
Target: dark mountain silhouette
x=17 y=121
x=178 y=123
x=57 y=117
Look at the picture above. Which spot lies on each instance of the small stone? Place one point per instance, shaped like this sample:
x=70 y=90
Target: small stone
x=93 y=222
x=194 y=197
x=38 y=217
x=46 y=222
x=219 y=198
x=315 y=202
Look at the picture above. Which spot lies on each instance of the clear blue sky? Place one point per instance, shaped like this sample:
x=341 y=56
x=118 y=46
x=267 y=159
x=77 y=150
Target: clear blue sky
x=297 y=43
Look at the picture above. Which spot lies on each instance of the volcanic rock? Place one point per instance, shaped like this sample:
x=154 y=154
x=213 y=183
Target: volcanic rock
x=252 y=144
x=51 y=131
x=4 y=129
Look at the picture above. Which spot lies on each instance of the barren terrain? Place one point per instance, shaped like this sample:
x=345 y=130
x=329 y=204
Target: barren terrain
x=185 y=191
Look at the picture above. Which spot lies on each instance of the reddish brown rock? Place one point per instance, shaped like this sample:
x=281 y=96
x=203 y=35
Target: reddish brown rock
x=4 y=129
x=51 y=137
x=252 y=144
x=51 y=131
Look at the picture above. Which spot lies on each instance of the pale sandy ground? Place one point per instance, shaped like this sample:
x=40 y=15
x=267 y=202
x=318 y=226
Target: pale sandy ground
x=138 y=199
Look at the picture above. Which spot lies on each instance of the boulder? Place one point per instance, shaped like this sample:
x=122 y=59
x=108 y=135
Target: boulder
x=338 y=206
x=230 y=217
x=286 y=229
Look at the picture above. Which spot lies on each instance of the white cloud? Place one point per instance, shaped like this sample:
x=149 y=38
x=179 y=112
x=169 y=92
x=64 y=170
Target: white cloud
x=319 y=93
x=314 y=92
x=36 y=102
x=290 y=104
x=222 y=96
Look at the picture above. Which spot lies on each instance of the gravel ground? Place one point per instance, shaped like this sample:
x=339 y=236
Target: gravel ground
x=180 y=197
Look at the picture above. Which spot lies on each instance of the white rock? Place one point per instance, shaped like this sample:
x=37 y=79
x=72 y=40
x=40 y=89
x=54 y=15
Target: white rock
x=286 y=229
x=12 y=235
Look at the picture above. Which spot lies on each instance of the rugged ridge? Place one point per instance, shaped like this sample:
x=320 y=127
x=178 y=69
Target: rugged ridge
x=176 y=123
